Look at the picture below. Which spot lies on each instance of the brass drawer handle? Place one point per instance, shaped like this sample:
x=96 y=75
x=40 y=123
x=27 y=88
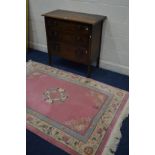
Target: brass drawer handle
x=82 y=27
x=81 y=51
x=52 y=23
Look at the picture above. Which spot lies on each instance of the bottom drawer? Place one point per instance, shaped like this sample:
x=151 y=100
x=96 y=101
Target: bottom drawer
x=70 y=52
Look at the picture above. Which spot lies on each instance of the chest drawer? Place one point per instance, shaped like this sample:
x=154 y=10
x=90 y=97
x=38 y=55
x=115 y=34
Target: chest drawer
x=70 y=52
x=68 y=37
x=76 y=27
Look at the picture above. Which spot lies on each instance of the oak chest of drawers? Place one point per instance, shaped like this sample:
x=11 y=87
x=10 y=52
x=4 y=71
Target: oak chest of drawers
x=74 y=36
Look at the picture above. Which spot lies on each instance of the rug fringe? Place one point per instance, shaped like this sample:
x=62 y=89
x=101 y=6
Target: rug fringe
x=115 y=137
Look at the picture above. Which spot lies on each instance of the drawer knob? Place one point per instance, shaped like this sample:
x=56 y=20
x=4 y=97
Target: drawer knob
x=54 y=22
x=82 y=27
x=81 y=51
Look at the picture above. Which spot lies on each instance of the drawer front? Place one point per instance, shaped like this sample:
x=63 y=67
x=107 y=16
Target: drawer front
x=70 y=52
x=68 y=38
x=68 y=26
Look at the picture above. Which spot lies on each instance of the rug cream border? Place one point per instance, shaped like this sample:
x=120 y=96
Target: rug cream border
x=115 y=136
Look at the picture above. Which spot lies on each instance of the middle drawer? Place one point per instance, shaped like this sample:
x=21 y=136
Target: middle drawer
x=68 y=37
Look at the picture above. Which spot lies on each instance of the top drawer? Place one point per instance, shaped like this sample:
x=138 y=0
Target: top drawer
x=67 y=25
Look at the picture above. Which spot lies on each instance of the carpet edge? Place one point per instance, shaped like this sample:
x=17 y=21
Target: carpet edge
x=116 y=135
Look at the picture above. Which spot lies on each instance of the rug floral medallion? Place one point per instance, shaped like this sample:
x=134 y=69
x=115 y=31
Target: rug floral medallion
x=72 y=112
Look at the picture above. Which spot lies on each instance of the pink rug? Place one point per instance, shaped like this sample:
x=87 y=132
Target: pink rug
x=75 y=113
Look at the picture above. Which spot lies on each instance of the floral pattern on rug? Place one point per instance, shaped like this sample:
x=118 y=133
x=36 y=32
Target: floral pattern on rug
x=55 y=95
x=92 y=145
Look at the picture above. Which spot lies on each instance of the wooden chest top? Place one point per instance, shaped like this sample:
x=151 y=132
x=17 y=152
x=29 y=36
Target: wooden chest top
x=75 y=16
